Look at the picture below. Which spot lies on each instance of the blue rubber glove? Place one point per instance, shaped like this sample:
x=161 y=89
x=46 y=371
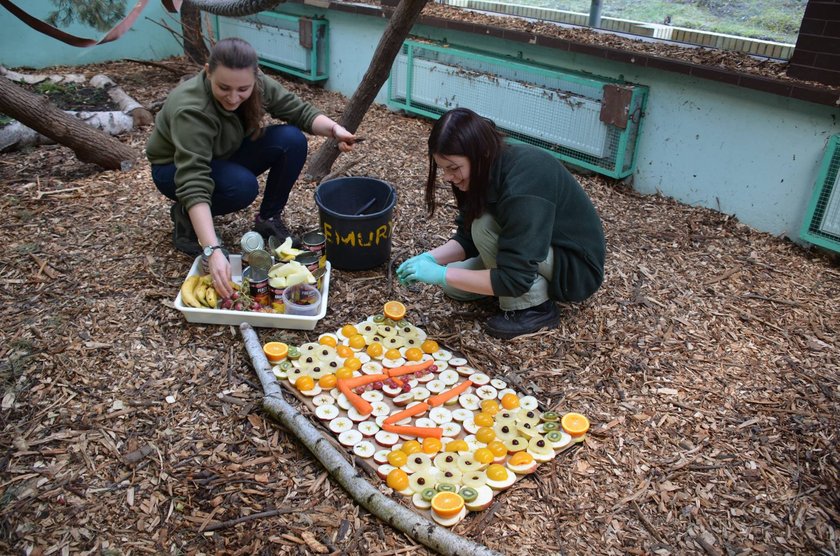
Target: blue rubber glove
x=422 y=268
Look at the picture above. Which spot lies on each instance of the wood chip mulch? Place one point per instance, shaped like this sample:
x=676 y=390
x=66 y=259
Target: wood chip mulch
x=708 y=363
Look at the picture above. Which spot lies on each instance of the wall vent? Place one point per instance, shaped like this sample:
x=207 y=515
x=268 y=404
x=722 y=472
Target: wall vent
x=290 y=44
x=822 y=220
x=588 y=121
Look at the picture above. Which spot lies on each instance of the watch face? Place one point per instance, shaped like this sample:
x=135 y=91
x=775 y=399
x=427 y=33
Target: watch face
x=208 y=251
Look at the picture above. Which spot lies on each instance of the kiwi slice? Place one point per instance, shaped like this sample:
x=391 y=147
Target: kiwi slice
x=468 y=494
x=294 y=353
x=446 y=487
x=551 y=426
x=550 y=416
x=428 y=493
x=554 y=436
x=286 y=365
x=379 y=319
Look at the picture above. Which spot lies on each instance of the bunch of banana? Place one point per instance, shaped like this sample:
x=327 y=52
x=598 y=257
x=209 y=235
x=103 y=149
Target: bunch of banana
x=198 y=291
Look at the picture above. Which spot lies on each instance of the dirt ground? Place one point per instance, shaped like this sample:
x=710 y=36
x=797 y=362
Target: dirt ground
x=708 y=364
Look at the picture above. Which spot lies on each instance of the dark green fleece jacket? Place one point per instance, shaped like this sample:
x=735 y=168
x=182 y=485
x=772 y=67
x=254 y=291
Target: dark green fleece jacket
x=539 y=204
x=192 y=129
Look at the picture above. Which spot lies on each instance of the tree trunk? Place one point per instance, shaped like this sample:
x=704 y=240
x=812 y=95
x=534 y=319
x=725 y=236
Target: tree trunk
x=389 y=46
x=194 y=46
x=88 y=144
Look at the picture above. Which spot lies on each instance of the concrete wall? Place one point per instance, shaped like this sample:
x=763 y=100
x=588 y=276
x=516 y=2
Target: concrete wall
x=751 y=154
x=22 y=46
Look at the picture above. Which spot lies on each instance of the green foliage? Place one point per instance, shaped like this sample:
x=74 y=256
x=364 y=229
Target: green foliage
x=99 y=14
x=49 y=88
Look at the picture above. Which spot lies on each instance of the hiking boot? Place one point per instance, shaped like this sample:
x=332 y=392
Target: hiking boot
x=183 y=235
x=510 y=324
x=273 y=226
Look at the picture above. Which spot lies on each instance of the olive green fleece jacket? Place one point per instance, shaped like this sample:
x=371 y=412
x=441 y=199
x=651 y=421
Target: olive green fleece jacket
x=538 y=204
x=192 y=129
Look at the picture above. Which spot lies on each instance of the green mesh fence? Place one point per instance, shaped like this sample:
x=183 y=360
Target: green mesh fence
x=822 y=221
x=567 y=113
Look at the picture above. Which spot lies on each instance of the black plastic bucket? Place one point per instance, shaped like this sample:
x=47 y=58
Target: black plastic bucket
x=356 y=217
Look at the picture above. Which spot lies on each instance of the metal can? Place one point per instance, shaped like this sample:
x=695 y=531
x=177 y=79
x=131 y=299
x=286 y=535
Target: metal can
x=276 y=292
x=312 y=261
x=258 y=285
x=251 y=241
x=315 y=241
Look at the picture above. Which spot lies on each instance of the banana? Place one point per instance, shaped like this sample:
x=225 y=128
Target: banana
x=211 y=297
x=187 y=289
x=200 y=293
x=207 y=280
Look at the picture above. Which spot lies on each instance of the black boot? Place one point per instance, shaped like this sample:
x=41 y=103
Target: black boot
x=510 y=324
x=273 y=226
x=184 y=237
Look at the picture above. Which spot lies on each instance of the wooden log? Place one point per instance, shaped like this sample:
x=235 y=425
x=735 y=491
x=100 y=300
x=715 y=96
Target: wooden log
x=394 y=514
x=127 y=104
x=89 y=144
x=16 y=136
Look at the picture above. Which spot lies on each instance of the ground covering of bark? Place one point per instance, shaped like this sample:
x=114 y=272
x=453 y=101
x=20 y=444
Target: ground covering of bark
x=708 y=364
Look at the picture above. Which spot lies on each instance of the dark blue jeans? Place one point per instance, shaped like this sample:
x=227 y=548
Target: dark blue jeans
x=281 y=150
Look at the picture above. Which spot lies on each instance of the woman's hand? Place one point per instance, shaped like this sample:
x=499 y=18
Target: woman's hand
x=345 y=138
x=422 y=268
x=219 y=268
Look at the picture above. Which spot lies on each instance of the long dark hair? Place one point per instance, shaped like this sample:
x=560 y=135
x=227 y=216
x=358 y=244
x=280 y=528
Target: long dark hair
x=237 y=54
x=462 y=132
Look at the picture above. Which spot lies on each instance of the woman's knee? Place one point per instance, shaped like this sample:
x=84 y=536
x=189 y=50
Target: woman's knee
x=288 y=137
x=236 y=187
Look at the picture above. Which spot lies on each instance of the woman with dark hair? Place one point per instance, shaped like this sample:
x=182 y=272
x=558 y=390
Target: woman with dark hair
x=208 y=147
x=527 y=232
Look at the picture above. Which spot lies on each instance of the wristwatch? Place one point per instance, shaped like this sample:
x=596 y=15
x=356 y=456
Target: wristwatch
x=209 y=250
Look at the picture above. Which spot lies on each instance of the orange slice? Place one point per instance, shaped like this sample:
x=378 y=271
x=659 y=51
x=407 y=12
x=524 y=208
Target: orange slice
x=328 y=381
x=275 y=351
x=574 y=424
x=394 y=310
x=447 y=504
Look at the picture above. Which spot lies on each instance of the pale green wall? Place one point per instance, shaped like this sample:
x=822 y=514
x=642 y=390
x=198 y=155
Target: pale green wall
x=22 y=46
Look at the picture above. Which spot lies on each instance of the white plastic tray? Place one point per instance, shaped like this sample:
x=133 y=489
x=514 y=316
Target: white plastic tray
x=264 y=320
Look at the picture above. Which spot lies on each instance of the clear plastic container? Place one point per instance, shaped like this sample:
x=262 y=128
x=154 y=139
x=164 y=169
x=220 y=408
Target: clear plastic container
x=302 y=299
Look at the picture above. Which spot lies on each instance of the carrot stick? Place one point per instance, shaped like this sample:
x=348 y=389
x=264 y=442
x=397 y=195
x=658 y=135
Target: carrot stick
x=361 y=405
x=397 y=381
x=443 y=397
x=422 y=432
x=410 y=412
x=405 y=369
x=362 y=380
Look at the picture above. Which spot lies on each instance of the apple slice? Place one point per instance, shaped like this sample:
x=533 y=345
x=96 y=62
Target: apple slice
x=419 y=462
x=323 y=399
x=380 y=409
x=458 y=362
x=420 y=502
x=419 y=481
x=449 y=521
x=421 y=394
x=425 y=422
x=503 y=391
x=451 y=476
x=522 y=463
x=528 y=402
x=326 y=412
x=498 y=383
x=467 y=463
x=386 y=439
x=482 y=501
x=440 y=415
x=404 y=399
x=424 y=378
x=372 y=396
x=480 y=379
x=486 y=392
x=465 y=370
x=372 y=368
x=449 y=377
x=384 y=469
x=381 y=456
x=445 y=461
x=392 y=391
x=279 y=372
x=436 y=386
x=451 y=429
x=469 y=401
x=442 y=354
x=355 y=416
x=558 y=439
x=392 y=363
x=368 y=428
x=350 y=438
x=474 y=479
x=470 y=426
x=441 y=365
x=343 y=402
x=340 y=425
x=462 y=414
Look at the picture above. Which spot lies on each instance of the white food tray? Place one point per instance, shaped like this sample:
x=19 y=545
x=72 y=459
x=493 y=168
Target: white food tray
x=263 y=320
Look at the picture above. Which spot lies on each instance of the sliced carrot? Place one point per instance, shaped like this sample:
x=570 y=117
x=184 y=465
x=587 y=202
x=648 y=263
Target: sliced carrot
x=410 y=412
x=443 y=397
x=397 y=381
x=405 y=369
x=421 y=432
x=361 y=405
x=362 y=380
